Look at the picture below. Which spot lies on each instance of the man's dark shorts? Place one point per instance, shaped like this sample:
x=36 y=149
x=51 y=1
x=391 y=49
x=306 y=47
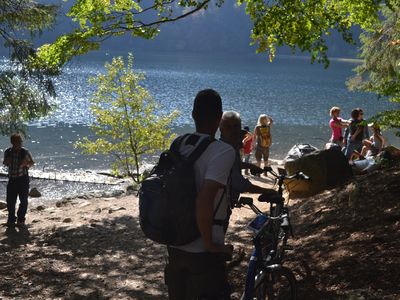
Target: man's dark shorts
x=196 y=276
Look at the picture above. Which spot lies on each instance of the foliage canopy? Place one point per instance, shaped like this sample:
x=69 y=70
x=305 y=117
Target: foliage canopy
x=380 y=69
x=25 y=89
x=127 y=124
x=300 y=24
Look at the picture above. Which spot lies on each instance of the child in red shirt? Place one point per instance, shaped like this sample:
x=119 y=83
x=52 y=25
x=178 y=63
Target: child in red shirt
x=247 y=147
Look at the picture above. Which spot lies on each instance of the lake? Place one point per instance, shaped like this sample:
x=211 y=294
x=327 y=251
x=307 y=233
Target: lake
x=296 y=94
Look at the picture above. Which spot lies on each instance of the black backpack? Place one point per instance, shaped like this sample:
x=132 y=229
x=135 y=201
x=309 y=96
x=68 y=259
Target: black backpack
x=167 y=198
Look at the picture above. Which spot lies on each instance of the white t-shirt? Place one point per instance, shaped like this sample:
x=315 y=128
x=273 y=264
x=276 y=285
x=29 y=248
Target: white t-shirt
x=214 y=164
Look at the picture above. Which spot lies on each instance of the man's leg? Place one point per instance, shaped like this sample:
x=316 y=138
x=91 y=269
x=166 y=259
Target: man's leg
x=208 y=278
x=200 y=276
x=349 y=150
x=175 y=275
x=23 y=191
x=11 y=200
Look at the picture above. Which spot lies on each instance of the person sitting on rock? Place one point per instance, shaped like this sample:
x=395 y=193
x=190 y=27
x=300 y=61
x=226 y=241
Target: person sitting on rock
x=374 y=145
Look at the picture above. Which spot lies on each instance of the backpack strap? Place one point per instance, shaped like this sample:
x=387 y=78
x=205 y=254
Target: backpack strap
x=198 y=151
x=192 y=139
x=218 y=222
x=225 y=222
x=176 y=144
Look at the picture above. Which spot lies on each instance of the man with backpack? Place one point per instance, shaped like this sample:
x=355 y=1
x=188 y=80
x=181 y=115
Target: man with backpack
x=18 y=160
x=197 y=270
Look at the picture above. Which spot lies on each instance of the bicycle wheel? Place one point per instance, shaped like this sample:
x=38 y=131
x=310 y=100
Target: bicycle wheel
x=281 y=245
x=279 y=284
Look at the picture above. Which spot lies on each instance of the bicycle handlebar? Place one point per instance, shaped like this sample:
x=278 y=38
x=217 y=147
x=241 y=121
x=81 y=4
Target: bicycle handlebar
x=270 y=198
x=297 y=175
x=245 y=201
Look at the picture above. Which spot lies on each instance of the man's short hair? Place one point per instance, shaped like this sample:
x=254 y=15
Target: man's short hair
x=15 y=137
x=355 y=113
x=207 y=107
x=228 y=115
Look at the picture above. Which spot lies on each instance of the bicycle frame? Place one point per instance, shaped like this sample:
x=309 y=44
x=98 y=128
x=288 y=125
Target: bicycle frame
x=255 y=264
x=257 y=261
x=266 y=263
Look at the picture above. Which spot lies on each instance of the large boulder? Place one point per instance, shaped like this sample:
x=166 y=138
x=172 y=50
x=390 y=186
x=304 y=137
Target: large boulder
x=326 y=168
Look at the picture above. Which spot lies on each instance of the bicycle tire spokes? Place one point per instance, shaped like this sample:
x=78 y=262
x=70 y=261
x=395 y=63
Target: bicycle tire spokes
x=275 y=283
x=282 y=285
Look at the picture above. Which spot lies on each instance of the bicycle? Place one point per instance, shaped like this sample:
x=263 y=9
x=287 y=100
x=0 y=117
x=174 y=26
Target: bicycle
x=267 y=278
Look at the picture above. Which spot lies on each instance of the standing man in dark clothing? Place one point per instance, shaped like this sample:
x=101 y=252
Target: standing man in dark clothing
x=18 y=160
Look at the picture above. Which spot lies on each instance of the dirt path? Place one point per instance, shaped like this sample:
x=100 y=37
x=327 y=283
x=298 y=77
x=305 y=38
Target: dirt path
x=81 y=248
x=94 y=249
x=87 y=248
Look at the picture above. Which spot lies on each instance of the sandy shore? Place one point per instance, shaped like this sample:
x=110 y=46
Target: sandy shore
x=78 y=248
x=345 y=246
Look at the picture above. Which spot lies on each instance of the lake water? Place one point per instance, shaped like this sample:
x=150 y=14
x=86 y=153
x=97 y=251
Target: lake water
x=290 y=89
x=295 y=93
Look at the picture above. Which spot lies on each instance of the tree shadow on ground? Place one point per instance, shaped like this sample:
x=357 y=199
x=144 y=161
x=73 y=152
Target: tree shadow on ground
x=349 y=238
x=346 y=246
x=346 y=243
x=16 y=236
x=108 y=258
x=242 y=237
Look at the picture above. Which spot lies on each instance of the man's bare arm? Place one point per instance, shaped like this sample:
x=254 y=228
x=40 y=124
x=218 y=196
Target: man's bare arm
x=205 y=214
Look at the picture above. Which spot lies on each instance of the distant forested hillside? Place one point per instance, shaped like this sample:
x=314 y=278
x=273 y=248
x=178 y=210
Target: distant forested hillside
x=217 y=30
